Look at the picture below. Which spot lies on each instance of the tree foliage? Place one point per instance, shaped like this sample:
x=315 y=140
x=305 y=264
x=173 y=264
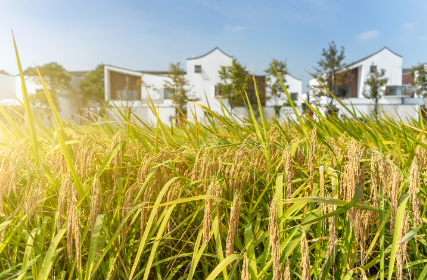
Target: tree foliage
x=420 y=81
x=331 y=71
x=376 y=82
x=179 y=88
x=57 y=80
x=234 y=82
x=276 y=91
x=92 y=85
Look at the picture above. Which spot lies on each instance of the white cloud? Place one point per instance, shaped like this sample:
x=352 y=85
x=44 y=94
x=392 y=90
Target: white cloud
x=409 y=25
x=235 y=27
x=422 y=38
x=367 y=35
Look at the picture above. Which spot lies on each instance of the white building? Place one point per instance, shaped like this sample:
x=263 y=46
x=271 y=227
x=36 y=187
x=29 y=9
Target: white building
x=10 y=91
x=203 y=76
x=135 y=90
x=394 y=92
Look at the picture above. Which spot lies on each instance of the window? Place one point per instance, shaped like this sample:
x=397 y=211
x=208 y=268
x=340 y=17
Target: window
x=166 y=94
x=129 y=95
x=342 y=92
x=294 y=96
x=395 y=90
x=373 y=69
x=198 y=69
x=218 y=90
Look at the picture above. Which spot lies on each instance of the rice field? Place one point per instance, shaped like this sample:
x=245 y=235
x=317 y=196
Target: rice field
x=219 y=198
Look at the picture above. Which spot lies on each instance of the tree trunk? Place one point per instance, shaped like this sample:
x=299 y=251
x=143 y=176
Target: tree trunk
x=376 y=106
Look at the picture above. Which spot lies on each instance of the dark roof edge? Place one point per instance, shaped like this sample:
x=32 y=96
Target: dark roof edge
x=385 y=48
x=5 y=73
x=216 y=48
x=140 y=71
x=294 y=77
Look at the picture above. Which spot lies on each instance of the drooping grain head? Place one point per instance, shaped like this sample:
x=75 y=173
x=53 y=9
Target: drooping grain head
x=287 y=272
x=207 y=219
x=245 y=269
x=274 y=239
x=393 y=194
x=233 y=224
x=95 y=202
x=312 y=156
x=414 y=182
x=63 y=190
x=287 y=158
x=305 y=258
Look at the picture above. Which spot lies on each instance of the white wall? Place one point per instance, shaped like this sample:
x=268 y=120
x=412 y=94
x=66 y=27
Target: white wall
x=154 y=86
x=152 y=83
x=205 y=82
x=32 y=86
x=385 y=59
x=294 y=85
x=7 y=87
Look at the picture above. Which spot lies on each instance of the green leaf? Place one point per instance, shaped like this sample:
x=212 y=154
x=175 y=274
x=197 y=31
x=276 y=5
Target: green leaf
x=397 y=226
x=222 y=265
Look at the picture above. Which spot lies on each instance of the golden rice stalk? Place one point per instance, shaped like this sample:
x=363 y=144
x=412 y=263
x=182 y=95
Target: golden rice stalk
x=207 y=219
x=331 y=223
x=233 y=224
x=245 y=269
x=95 y=202
x=401 y=249
x=35 y=195
x=421 y=154
x=414 y=182
x=73 y=230
x=312 y=156
x=305 y=258
x=393 y=195
x=63 y=189
x=287 y=273
x=288 y=172
x=274 y=239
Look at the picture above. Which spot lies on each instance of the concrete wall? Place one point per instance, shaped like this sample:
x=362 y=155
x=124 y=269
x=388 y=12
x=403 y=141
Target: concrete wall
x=383 y=59
x=205 y=81
x=294 y=85
x=7 y=87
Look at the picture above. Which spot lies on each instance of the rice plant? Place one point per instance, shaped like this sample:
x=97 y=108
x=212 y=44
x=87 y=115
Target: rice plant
x=222 y=198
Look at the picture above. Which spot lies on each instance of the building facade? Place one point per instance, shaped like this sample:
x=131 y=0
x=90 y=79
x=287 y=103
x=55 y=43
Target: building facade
x=395 y=99
x=203 y=77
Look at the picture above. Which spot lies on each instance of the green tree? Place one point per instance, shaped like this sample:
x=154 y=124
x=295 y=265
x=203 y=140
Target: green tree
x=57 y=80
x=331 y=71
x=273 y=82
x=420 y=80
x=376 y=82
x=234 y=82
x=92 y=86
x=179 y=88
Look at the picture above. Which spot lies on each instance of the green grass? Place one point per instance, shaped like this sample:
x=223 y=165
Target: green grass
x=143 y=195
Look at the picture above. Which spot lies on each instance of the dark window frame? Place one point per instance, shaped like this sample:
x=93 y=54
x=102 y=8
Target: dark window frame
x=197 y=68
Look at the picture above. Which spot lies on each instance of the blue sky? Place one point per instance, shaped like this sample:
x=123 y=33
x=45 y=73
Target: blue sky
x=148 y=35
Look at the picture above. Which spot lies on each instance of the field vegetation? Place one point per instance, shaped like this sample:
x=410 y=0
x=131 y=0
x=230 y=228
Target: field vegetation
x=218 y=198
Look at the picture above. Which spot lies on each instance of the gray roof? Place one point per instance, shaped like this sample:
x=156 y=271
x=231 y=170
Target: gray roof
x=373 y=55
x=78 y=73
x=4 y=73
x=144 y=71
x=216 y=48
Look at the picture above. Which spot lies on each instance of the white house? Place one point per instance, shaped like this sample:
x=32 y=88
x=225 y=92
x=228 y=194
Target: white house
x=130 y=87
x=352 y=93
x=10 y=89
x=134 y=90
